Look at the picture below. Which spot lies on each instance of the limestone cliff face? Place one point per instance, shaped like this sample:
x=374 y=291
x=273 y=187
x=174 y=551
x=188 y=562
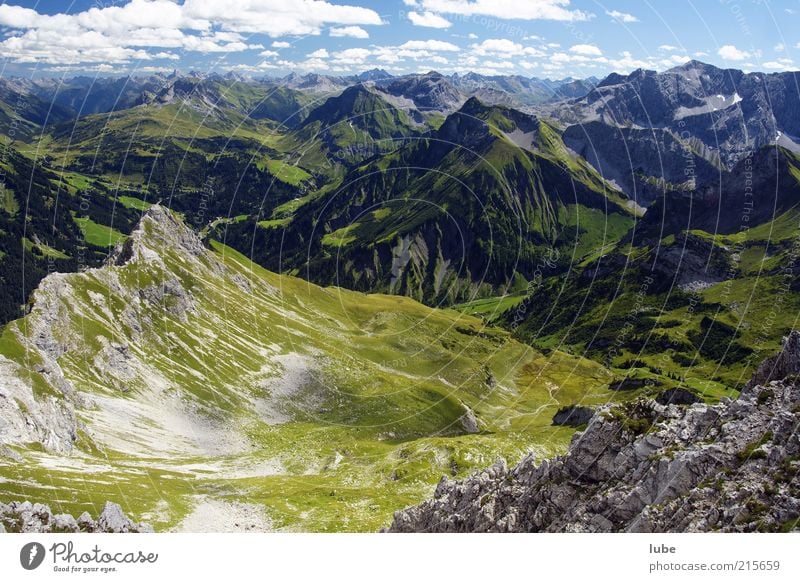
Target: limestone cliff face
x=38 y=398
x=646 y=467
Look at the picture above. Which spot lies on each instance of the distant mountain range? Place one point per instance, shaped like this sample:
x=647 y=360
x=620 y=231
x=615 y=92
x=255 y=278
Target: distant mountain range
x=502 y=168
x=324 y=292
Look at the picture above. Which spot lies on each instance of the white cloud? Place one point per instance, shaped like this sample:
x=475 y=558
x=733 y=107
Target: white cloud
x=503 y=46
x=586 y=49
x=428 y=19
x=472 y=35
x=429 y=45
x=498 y=64
x=269 y=54
x=349 y=31
x=667 y=47
x=125 y=32
x=779 y=48
x=281 y=44
x=528 y=10
x=673 y=60
x=621 y=16
x=731 y=53
x=286 y=17
x=351 y=56
x=780 y=65
x=424 y=51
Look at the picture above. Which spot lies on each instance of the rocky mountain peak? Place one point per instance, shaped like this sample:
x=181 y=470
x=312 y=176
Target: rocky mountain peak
x=158 y=230
x=429 y=91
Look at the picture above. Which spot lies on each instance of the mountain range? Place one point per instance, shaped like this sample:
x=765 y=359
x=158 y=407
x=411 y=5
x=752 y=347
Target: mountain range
x=299 y=301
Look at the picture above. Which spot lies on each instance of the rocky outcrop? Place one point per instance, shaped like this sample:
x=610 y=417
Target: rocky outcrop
x=431 y=91
x=717 y=112
x=47 y=417
x=647 y=467
x=785 y=364
x=158 y=231
x=37 y=402
x=27 y=517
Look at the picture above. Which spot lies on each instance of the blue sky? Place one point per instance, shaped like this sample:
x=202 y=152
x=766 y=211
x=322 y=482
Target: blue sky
x=541 y=38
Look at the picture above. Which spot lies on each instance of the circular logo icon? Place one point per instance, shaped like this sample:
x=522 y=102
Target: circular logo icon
x=31 y=555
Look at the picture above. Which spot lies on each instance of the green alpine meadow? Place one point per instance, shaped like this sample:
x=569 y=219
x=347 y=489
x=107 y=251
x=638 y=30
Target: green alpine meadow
x=324 y=282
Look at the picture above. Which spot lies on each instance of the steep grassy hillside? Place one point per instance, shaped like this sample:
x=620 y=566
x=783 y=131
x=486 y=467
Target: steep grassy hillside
x=702 y=290
x=468 y=211
x=183 y=381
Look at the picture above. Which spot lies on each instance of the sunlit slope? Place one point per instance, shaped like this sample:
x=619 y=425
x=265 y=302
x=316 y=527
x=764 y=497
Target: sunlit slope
x=180 y=377
x=702 y=290
x=469 y=210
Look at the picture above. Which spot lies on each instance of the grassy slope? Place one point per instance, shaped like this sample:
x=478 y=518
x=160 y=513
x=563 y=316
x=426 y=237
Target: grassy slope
x=756 y=304
x=373 y=428
x=516 y=202
x=98 y=235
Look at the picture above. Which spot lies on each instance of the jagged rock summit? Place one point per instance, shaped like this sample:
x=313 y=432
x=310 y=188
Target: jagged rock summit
x=647 y=467
x=157 y=230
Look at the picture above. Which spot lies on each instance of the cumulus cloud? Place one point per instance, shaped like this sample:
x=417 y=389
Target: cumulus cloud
x=627 y=63
x=429 y=45
x=351 y=56
x=586 y=49
x=429 y=20
x=780 y=65
x=426 y=51
x=281 y=44
x=622 y=16
x=731 y=53
x=503 y=46
x=349 y=31
x=126 y=32
x=528 y=10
